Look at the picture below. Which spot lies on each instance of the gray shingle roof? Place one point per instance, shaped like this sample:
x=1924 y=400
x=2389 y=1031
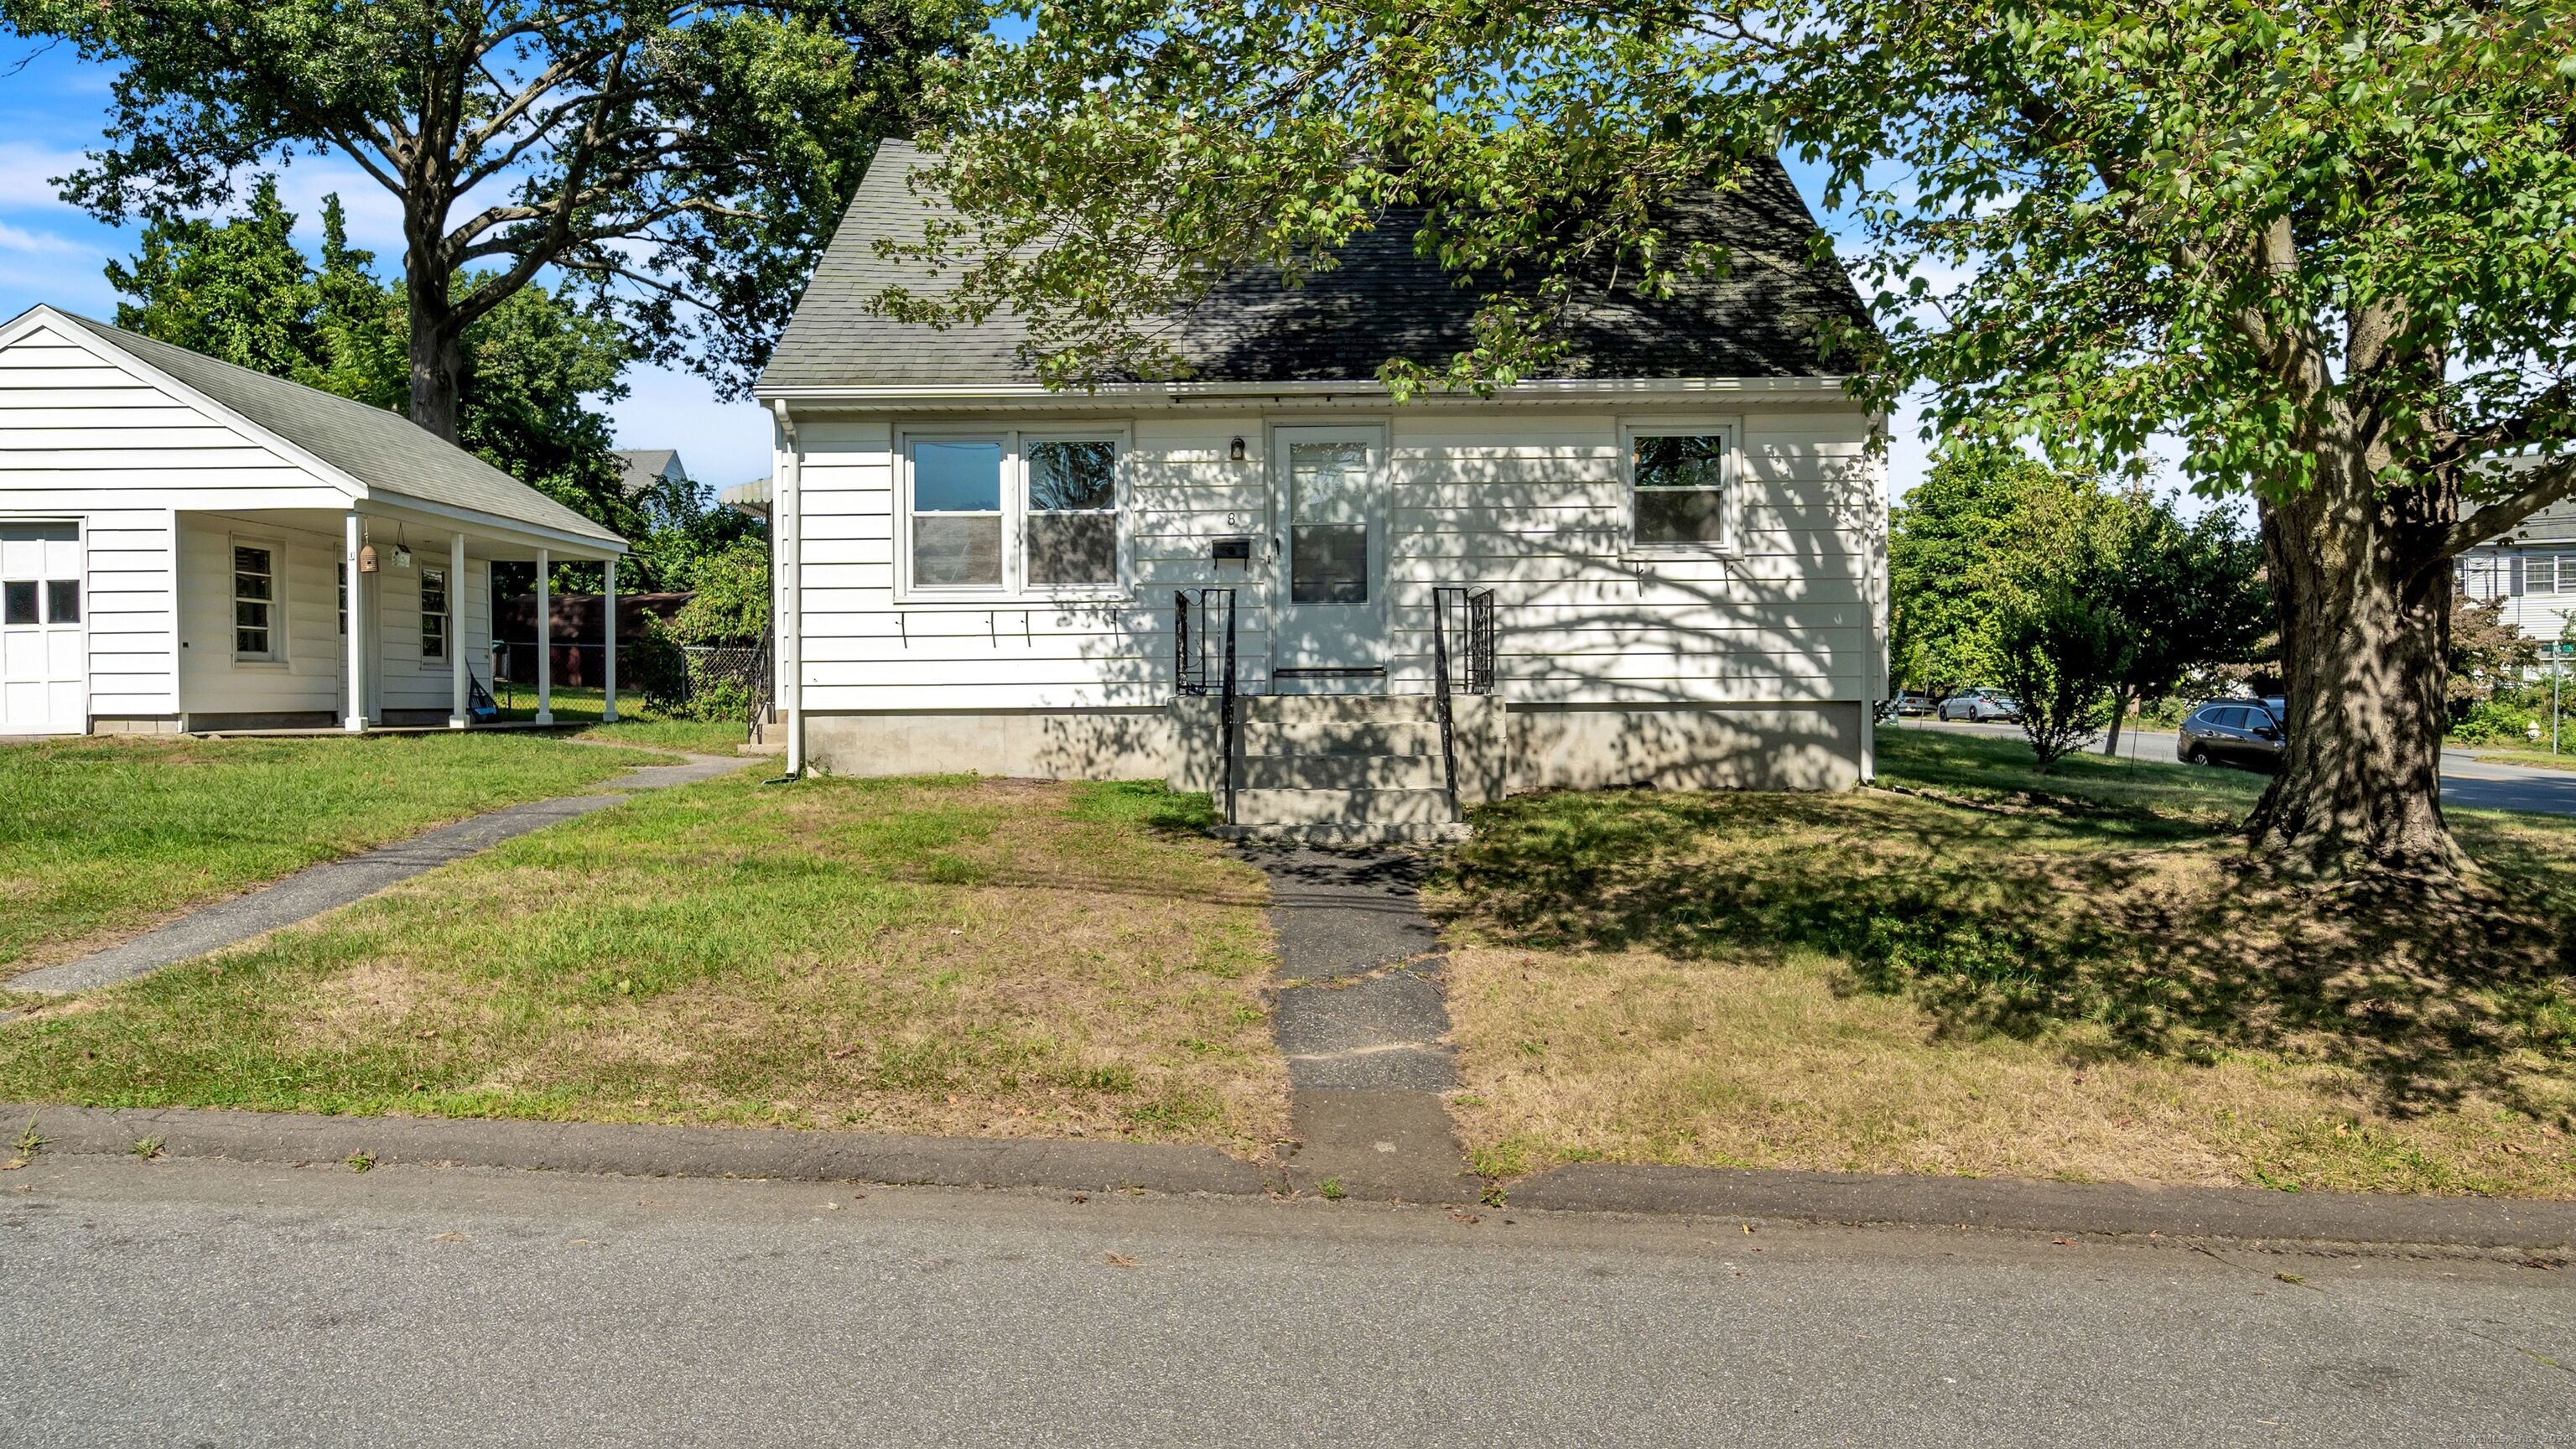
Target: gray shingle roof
x=383 y=450
x=1383 y=301
x=641 y=469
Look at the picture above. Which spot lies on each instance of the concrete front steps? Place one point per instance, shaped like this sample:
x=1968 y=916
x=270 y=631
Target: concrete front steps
x=1341 y=770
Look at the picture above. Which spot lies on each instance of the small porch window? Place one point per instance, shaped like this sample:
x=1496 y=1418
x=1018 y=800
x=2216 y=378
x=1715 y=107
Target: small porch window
x=255 y=622
x=1680 y=482
x=433 y=613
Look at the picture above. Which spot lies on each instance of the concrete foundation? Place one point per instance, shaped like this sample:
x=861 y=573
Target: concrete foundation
x=1101 y=744
x=1501 y=748
x=1686 y=747
x=160 y=724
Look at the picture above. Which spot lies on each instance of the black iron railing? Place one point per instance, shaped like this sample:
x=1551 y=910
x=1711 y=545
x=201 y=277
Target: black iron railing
x=1462 y=662
x=1203 y=663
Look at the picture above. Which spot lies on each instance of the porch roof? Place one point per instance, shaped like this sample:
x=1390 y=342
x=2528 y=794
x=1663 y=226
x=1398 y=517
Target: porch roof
x=1760 y=319
x=384 y=454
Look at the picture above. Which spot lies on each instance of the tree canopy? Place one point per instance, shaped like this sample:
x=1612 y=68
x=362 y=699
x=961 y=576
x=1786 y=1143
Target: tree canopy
x=242 y=291
x=2329 y=245
x=682 y=161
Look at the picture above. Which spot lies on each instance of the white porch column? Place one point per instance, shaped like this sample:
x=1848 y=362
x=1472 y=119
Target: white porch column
x=353 y=538
x=545 y=644
x=608 y=625
x=457 y=718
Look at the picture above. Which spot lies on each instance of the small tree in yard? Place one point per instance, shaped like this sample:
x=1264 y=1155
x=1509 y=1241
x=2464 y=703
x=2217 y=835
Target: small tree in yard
x=2060 y=649
x=2188 y=596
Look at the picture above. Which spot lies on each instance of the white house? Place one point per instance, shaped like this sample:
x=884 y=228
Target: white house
x=1664 y=566
x=2533 y=570
x=187 y=545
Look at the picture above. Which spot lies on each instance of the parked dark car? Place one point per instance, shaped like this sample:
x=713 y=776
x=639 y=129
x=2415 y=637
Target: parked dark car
x=1912 y=703
x=2244 y=732
x=1979 y=706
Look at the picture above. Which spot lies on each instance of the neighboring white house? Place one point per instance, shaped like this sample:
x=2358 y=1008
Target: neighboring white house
x=187 y=545
x=2532 y=569
x=1666 y=566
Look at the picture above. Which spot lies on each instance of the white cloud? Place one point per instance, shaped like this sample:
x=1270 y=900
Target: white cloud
x=25 y=170
x=19 y=239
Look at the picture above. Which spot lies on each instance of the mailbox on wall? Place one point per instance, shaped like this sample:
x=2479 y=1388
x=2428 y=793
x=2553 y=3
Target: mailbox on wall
x=1232 y=550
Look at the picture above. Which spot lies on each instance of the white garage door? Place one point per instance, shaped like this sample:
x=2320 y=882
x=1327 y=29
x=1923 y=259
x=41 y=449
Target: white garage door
x=44 y=676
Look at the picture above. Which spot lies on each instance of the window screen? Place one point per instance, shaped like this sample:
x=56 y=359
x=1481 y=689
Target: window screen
x=1681 y=488
x=957 y=514
x=1073 y=513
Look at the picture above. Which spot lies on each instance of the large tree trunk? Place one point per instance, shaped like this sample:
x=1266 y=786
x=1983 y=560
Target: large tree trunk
x=437 y=346
x=2364 y=593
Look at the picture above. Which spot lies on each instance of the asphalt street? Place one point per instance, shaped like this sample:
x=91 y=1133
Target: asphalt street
x=2467 y=782
x=208 y=1303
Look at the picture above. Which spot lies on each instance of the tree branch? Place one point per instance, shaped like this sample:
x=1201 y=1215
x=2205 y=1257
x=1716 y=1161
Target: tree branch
x=2548 y=483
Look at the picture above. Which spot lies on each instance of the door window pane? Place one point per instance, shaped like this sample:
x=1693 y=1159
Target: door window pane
x=1680 y=488
x=254 y=596
x=20 y=607
x=950 y=551
x=1328 y=563
x=62 y=601
x=1328 y=533
x=39 y=532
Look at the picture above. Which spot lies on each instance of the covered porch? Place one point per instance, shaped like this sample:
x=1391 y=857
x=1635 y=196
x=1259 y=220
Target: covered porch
x=377 y=616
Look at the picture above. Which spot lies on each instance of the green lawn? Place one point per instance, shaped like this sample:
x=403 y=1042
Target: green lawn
x=1988 y=970
x=948 y=955
x=102 y=836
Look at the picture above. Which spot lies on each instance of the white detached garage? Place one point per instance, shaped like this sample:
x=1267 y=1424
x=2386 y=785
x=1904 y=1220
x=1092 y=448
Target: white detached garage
x=188 y=545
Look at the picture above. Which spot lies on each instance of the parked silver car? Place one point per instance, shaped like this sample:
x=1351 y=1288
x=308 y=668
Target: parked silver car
x=1981 y=705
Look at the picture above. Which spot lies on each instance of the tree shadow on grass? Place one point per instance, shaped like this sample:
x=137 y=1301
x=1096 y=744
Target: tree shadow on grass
x=2119 y=933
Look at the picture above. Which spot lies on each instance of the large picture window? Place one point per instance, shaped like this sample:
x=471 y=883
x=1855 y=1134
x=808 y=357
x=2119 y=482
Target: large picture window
x=255 y=623
x=1012 y=514
x=1679 y=481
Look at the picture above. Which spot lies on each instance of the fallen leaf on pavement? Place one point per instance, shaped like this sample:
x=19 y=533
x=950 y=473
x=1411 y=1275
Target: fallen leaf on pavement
x=448 y=1238
x=1462 y=1217
x=1118 y=1260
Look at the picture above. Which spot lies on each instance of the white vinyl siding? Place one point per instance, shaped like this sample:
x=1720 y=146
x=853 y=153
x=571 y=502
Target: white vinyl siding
x=1531 y=501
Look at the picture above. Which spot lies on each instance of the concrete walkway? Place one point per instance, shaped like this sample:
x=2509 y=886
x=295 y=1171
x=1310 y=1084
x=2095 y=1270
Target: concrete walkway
x=1362 y=1018
x=310 y=892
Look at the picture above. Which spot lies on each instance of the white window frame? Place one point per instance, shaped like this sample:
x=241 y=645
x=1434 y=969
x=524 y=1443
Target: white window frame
x=1015 y=586
x=446 y=615
x=1730 y=501
x=278 y=637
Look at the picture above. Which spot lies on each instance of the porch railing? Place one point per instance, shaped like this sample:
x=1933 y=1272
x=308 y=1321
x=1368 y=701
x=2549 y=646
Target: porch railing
x=1462 y=662
x=1203 y=664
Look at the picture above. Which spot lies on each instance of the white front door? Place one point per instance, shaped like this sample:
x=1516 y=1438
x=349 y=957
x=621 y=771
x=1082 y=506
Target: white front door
x=44 y=665
x=1329 y=623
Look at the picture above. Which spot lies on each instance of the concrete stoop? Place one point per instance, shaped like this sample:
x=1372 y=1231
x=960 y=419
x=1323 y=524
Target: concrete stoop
x=1342 y=770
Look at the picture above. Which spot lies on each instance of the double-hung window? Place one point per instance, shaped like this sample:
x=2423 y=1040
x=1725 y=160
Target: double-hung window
x=257 y=632
x=1681 y=482
x=433 y=613
x=1010 y=514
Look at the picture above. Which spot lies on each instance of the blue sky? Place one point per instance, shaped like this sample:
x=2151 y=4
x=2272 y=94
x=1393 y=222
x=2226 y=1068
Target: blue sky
x=52 y=110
